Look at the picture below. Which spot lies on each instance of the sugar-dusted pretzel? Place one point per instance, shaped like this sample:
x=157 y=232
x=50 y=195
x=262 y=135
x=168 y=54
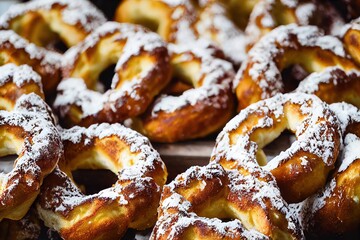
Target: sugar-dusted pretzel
x=197 y=111
x=269 y=14
x=27 y=131
x=301 y=169
x=44 y=22
x=142 y=71
x=260 y=75
x=334 y=210
x=14 y=49
x=130 y=203
x=194 y=205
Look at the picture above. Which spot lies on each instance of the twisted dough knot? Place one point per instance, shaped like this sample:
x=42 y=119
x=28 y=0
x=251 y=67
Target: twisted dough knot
x=130 y=203
x=142 y=70
x=301 y=169
x=260 y=75
x=193 y=205
x=27 y=131
x=198 y=111
x=44 y=22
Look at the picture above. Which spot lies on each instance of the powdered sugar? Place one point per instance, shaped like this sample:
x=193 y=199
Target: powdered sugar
x=176 y=212
x=351 y=151
x=346 y=113
x=40 y=141
x=50 y=60
x=19 y=75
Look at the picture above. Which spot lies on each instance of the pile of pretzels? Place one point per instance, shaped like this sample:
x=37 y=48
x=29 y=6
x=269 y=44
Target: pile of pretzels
x=81 y=91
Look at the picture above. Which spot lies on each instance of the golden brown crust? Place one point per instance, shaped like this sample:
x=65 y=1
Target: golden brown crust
x=45 y=22
x=37 y=143
x=130 y=203
x=303 y=168
x=170 y=20
x=334 y=210
x=195 y=203
x=324 y=84
x=142 y=70
x=16 y=50
x=195 y=112
x=260 y=75
x=351 y=39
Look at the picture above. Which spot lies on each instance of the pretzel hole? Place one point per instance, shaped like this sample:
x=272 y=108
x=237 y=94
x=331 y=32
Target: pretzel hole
x=152 y=24
x=42 y=35
x=10 y=149
x=105 y=78
x=292 y=76
x=93 y=181
x=184 y=77
x=7 y=163
x=281 y=143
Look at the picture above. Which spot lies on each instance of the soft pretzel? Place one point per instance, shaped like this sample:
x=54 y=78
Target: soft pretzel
x=335 y=210
x=16 y=50
x=16 y=81
x=301 y=169
x=260 y=75
x=332 y=80
x=44 y=22
x=130 y=203
x=269 y=14
x=33 y=137
x=194 y=204
x=196 y=112
x=142 y=70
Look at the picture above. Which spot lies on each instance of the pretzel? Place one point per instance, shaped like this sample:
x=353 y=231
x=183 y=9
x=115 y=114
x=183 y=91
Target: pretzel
x=16 y=50
x=346 y=85
x=16 y=81
x=195 y=203
x=45 y=22
x=198 y=111
x=142 y=70
x=334 y=210
x=301 y=169
x=27 y=132
x=269 y=14
x=130 y=203
x=260 y=75
x=181 y=22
